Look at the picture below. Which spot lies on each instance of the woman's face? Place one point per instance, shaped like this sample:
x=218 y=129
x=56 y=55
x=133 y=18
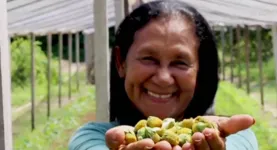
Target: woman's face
x=161 y=67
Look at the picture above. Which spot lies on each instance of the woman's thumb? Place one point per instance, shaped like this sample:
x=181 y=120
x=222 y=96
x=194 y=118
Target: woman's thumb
x=116 y=137
x=235 y=124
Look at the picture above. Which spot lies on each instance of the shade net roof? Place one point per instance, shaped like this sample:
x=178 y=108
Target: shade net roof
x=55 y=16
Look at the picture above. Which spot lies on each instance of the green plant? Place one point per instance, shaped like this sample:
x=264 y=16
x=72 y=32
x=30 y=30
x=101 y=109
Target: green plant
x=21 y=63
x=55 y=132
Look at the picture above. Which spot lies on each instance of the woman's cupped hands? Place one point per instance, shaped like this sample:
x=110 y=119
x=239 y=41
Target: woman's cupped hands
x=209 y=139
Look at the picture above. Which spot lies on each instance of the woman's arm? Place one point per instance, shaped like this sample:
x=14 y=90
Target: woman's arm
x=243 y=140
x=90 y=137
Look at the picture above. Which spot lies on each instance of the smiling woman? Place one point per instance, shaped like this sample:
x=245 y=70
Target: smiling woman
x=165 y=51
x=164 y=64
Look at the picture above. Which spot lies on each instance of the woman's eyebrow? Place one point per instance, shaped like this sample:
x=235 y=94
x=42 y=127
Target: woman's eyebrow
x=147 y=48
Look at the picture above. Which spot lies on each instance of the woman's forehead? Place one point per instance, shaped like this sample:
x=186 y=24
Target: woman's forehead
x=176 y=29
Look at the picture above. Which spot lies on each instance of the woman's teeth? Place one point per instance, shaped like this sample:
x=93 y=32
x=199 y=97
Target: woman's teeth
x=159 y=95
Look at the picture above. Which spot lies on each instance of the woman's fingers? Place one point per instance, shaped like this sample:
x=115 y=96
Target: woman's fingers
x=188 y=146
x=199 y=141
x=214 y=140
x=116 y=136
x=234 y=124
x=177 y=147
x=163 y=145
x=145 y=144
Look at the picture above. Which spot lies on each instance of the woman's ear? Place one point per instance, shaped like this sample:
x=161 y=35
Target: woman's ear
x=120 y=65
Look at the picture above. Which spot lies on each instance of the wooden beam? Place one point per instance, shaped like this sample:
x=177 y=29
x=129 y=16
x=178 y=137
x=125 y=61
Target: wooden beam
x=5 y=82
x=101 y=47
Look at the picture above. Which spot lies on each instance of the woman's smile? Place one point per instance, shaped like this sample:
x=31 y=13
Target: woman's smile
x=159 y=97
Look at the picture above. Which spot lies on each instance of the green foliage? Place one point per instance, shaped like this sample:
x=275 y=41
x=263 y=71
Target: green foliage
x=21 y=63
x=231 y=101
x=63 y=121
x=239 y=46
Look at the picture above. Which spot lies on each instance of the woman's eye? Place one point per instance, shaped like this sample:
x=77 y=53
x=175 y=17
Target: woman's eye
x=180 y=64
x=149 y=60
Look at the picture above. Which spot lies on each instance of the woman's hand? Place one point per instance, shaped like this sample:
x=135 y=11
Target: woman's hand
x=115 y=139
x=209 y=140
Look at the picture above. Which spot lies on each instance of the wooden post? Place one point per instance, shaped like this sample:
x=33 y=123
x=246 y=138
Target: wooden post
x=33 y=76
x=126 y=7
x=101 y=60
x=5 y=82
x=119 y=12
x=222 y=37
x=274 y=43
x=231 y=53
x=89 y=56
x=238 y=55
x=247 y=52
x=69 y=61
x=77 y=49
x=49 y=55
x=60 y=68
x=260 y=61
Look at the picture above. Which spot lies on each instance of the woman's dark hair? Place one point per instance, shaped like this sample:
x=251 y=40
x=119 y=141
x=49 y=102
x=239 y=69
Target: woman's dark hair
x=121 y=108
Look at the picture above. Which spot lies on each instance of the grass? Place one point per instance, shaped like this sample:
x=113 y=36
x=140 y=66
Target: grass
x=22 y=95
x=49 y=133
x=269 y=82
x=231 y=100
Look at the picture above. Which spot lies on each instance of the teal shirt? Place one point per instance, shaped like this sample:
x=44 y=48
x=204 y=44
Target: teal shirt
x=91 y=136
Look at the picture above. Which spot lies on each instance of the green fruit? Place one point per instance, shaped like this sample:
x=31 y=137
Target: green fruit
x=130 y=137
x=154 y=122
x=199 y=127
x=168 y=123
x=156 y=138
x=160 y=131
x=140 y=124
x=141 y=133
x=171 y=137
x=184 y=131
x=187 y=123
x=184 y=138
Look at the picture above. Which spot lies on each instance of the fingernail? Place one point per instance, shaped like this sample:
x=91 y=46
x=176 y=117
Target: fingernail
x=148 y=147
x=208 y=135
x=254 y=121
x=197 y=142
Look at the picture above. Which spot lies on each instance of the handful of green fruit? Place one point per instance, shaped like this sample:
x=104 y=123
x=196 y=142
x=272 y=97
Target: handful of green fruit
x=176 y=133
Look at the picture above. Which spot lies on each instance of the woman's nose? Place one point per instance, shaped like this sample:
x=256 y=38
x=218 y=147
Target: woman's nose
x=163 y=77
